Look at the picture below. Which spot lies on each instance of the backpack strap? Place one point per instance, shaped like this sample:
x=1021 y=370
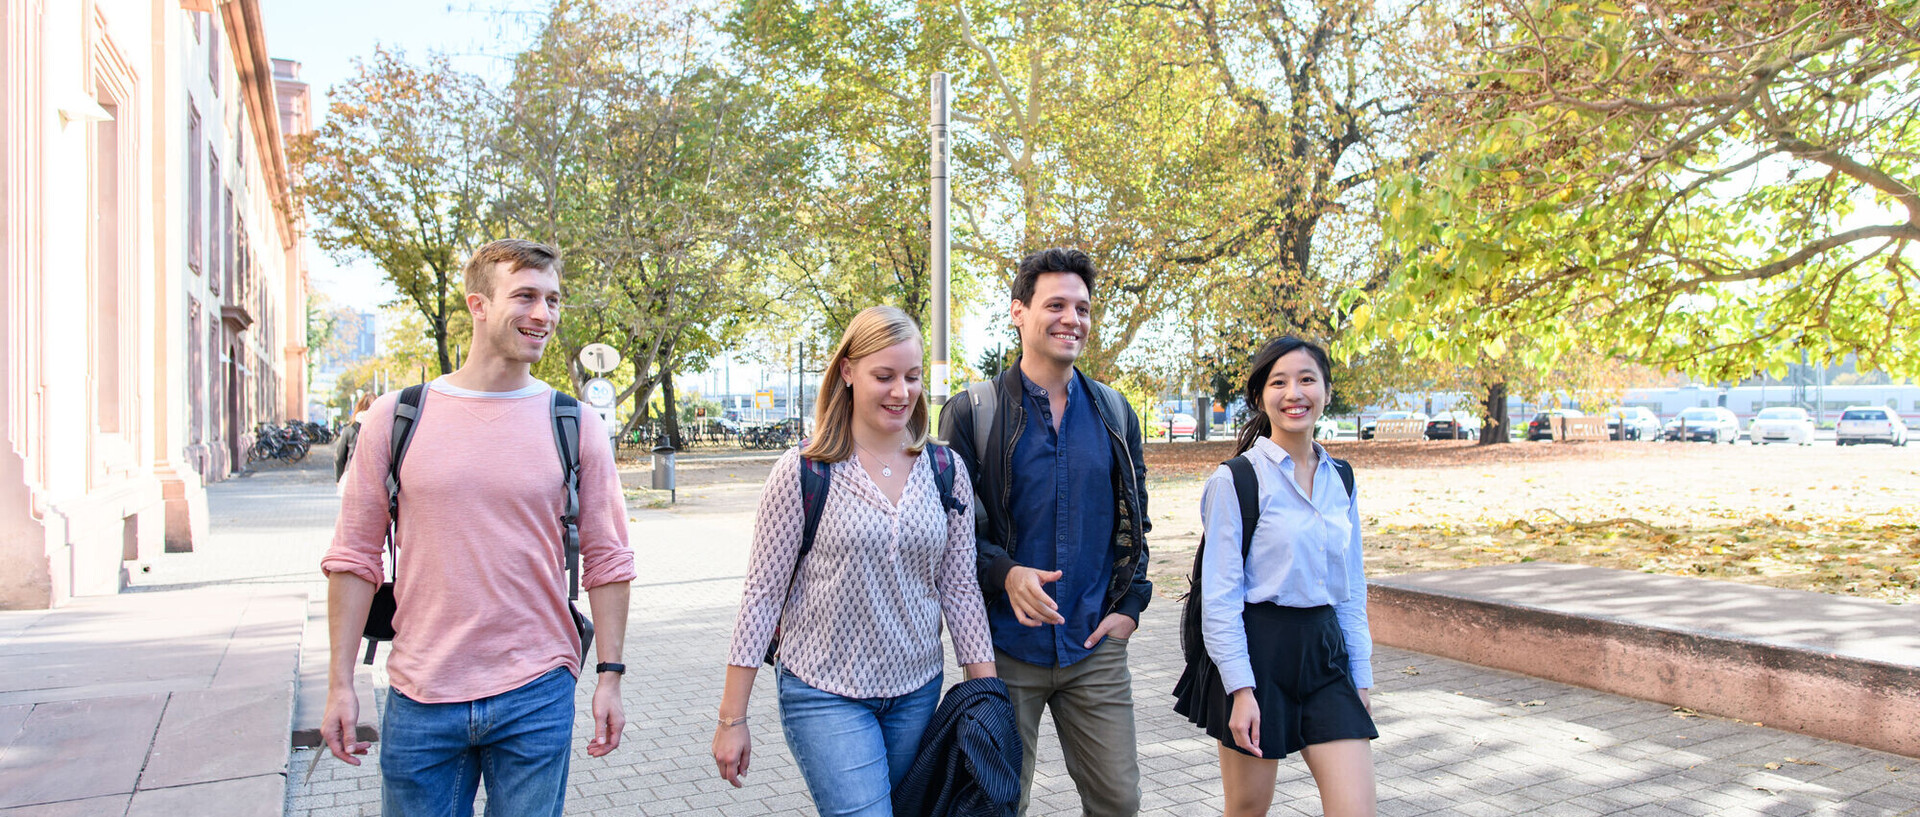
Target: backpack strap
x=815 y=478
x=1246 y=486
x=566 y=439
x=1345 y=470
x=406 y=415
x=986 y=400
x=943 y=472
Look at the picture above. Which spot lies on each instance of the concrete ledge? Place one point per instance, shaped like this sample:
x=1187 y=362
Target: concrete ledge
x=310 y=690
x=1832 y=667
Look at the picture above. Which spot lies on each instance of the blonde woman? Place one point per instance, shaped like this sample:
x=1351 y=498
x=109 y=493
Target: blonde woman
x=863 y=544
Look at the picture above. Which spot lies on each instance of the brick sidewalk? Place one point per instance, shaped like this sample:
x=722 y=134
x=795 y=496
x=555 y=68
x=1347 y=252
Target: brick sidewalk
x=1455 y=739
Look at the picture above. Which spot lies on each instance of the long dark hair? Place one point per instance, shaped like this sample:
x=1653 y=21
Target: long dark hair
x=1258 y=423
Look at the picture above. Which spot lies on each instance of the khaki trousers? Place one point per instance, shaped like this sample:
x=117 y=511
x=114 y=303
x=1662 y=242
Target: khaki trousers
x=1092 y=703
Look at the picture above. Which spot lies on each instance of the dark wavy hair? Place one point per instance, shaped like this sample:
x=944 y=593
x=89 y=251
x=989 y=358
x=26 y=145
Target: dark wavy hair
x=1258 y=423
x=1054 y=259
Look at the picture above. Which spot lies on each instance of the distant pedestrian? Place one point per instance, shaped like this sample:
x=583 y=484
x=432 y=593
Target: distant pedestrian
x=1057 y=465
x=349 y=435
x=858 y=614
x=486 y=646
x=1287 y=664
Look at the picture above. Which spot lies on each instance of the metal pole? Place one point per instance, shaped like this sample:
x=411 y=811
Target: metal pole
x=937 y=256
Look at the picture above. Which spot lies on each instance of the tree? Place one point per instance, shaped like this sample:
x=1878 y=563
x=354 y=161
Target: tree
x=396 y=176
x=629 y=140
x=1713 y=186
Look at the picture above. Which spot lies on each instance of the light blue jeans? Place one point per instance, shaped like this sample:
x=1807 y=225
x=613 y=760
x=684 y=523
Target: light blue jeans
x=433 y=756
x=852 y=751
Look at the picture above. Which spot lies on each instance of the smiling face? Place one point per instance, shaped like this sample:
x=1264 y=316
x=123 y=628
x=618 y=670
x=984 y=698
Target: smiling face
x=1055 y=323
x=886 y=387
x=1296 y=393
x=521 y=315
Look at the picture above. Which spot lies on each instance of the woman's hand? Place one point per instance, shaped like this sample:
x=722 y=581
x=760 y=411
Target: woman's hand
x=1366 y=701
x=732 y=750
x=1245 y=721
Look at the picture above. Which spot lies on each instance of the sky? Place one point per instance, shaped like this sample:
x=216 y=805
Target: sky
x=326 y=38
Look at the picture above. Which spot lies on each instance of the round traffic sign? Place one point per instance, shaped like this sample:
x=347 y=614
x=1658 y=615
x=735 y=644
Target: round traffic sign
x=599 y=358
x=600 y=392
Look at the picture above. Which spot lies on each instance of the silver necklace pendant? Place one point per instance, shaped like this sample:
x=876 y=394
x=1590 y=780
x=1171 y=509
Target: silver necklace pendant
x=886 y=470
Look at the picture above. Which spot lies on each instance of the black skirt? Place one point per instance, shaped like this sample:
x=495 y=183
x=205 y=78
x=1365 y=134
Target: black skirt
x=1300 y=679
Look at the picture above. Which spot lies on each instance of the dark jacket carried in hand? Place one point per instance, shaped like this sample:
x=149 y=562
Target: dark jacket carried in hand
x=990 y=463
x=969 y=760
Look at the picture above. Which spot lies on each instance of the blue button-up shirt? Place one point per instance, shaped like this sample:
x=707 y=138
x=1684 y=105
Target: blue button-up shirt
x=1063 y=519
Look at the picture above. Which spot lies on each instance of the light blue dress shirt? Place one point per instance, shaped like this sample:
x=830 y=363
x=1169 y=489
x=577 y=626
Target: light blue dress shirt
x=1306 y=553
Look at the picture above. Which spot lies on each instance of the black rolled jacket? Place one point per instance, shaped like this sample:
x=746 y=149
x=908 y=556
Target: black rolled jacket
x=991 y=467
x=969 y=759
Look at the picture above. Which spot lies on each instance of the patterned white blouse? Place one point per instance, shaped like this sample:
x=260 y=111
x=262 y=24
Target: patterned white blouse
x=862 y=618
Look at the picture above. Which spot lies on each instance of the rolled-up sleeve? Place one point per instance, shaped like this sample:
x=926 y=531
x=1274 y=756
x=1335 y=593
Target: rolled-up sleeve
x=961 y=604
x=605 y=555
x=1352 y=613
x=776 y=546
x=360 y=532
x=1223 y=592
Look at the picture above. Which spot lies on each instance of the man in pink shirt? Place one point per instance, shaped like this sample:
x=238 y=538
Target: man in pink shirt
x=485 y=650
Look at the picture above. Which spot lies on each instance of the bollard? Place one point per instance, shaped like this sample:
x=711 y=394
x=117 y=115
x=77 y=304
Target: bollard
x=663 y=470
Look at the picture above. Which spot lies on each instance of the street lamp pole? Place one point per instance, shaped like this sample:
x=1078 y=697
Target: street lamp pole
x=942 y=240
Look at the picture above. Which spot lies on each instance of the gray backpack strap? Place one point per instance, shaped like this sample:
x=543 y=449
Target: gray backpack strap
x=986 y=400
x=566 y=439
x=406 y=415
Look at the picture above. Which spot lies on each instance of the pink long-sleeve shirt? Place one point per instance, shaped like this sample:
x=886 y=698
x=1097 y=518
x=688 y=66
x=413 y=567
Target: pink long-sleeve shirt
x=482 y=587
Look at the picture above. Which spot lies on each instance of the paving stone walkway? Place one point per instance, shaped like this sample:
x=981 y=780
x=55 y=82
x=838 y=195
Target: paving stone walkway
x=1455 y=739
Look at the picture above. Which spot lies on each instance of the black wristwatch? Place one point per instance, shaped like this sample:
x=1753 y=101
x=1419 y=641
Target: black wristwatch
x=607 y=666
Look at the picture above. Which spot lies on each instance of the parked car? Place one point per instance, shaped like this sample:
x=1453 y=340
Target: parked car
x=1453 y=425
x=1709 y=423
x=1366 y=427
x=1781 y=424
x=1541 y=426
x=1326 y=429
x=1633 y=423
x=1178 y=425
x=1870 y=424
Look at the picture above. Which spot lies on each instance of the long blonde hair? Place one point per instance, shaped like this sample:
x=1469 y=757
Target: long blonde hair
x=874 y=329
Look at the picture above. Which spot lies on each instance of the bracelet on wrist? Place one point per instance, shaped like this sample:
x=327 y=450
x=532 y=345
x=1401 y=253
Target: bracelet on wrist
x=726 y=721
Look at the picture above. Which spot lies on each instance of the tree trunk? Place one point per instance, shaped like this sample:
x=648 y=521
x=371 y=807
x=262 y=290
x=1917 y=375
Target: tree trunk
x=670 y=414
x=1494 y=428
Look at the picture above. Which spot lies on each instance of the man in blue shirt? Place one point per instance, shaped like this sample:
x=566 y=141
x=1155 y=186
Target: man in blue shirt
x=1056 y=463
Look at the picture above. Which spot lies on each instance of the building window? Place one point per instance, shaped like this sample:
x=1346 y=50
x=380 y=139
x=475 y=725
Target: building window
x=196 y=373
x=196 y=220
x=213 y=53
x=107 y=160
x=226 y=245
x=214 y=265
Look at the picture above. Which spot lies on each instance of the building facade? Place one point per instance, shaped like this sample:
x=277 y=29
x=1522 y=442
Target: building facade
x=152 y=307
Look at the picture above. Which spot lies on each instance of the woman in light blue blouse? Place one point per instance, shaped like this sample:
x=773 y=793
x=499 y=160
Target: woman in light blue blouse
x=1284 y=614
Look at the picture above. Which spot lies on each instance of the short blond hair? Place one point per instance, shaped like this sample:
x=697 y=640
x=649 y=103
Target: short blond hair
x=519 y=252
x=874 y=329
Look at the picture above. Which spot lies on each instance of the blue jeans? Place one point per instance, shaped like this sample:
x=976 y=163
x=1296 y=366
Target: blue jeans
x=433 y=756
x=853 y=750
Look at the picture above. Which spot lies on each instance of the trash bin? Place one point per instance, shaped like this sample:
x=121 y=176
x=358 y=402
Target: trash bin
x=663 y=469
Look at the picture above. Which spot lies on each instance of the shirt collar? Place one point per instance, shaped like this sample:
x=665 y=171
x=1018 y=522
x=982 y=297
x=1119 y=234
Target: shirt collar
x=1272 y=451
x=1034 y=389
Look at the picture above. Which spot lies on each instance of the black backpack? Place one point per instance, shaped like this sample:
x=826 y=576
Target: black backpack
x=1246 y=487
x=816 y=477
x=565 y=411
